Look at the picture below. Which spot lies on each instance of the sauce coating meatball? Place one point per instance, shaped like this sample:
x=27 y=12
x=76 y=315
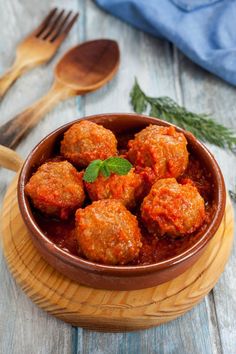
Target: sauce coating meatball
x=158 y=152
x=172 y=208
x=56 y=188
x=86 y=141
x=126 y=188
x=107 y=232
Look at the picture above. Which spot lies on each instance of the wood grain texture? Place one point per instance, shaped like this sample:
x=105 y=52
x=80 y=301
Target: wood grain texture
x=161 y=71
x=158 y=67
x=203 y=92
x=23 y=327
x=9 y=159
x=84 y=68
x=39 y=46
x=103 y=309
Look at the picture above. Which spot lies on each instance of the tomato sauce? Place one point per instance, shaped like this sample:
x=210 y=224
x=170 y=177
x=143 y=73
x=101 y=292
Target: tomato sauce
x=154 y=249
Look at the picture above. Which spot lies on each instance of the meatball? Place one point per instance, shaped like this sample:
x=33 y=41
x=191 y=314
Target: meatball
x=158 y=152
x=107 y=232
x=86 y=141
x=56 y=188
x=172 y=208
x=126 y=188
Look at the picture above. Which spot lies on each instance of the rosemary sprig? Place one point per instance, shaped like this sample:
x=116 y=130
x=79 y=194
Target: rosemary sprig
x=201 y=125
x=233 y=195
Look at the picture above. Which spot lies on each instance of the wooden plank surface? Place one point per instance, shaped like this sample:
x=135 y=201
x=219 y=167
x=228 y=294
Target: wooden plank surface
x=23 y=327
x=204 y=92
x=161 y=70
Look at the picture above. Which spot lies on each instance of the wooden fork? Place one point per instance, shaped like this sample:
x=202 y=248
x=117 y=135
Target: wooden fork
x=39 y=46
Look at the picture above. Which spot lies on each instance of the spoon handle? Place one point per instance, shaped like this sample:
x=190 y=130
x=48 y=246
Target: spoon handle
x=12 y=131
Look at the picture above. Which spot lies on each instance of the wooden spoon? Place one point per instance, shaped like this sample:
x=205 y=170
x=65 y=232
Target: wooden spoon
x=82 y=69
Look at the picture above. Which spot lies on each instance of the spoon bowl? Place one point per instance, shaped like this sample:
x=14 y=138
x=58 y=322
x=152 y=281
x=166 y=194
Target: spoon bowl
x=88 y=66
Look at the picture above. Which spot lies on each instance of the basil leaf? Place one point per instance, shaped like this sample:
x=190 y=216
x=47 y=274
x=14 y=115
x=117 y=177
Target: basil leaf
x=92 y=171
x=118 y=165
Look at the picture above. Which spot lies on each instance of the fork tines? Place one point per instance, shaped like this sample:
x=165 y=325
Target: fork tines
x=56 y=25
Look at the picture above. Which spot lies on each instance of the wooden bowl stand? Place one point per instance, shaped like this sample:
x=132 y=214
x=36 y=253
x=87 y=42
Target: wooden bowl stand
x=107 y=310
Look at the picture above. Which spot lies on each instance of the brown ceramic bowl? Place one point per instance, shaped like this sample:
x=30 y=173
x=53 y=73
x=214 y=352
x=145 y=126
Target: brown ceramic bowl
x=118 y=277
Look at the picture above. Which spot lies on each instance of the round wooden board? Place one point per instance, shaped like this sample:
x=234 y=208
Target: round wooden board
x=107 y=310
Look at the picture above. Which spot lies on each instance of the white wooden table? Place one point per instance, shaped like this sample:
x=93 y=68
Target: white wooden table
x=161 y=70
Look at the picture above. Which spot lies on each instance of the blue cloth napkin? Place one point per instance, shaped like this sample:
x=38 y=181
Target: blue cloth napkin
x=205 y=30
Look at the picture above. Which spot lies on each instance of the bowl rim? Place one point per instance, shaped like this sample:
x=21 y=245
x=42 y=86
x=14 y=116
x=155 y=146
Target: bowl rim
x=120 y=269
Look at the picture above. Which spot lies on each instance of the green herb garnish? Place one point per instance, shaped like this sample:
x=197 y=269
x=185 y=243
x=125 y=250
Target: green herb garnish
x=116 y=165
x=201 y=125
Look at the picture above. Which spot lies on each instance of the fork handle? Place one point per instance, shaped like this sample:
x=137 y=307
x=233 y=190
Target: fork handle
x=12 y=131
x=7 y=79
